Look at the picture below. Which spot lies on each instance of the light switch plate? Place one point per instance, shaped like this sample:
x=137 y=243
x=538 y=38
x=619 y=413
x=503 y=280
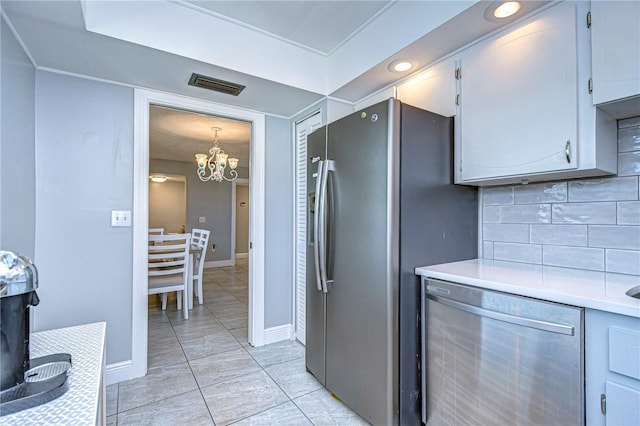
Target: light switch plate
x=120 y=218
x=202 y=219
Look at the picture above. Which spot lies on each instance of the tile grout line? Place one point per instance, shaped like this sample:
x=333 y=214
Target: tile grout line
x=211 y=311
x=200 y=388
x=190 y=368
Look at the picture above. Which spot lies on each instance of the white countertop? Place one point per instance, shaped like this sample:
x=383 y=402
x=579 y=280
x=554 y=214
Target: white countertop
x=79 y=405
x=589 y=289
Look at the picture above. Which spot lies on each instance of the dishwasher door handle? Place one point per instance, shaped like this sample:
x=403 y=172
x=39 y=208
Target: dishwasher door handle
x=501 y=316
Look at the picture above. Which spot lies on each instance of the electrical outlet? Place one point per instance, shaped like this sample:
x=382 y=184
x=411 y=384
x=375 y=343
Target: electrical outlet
x=202 y=219
x=120 y=218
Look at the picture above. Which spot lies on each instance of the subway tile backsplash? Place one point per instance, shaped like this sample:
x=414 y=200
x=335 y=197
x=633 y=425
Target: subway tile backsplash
x=628 y=213
x=541 y=193
x=591 y=224
x=604 y=189
x=517 y=252
x=595 y=213
x=562 y=235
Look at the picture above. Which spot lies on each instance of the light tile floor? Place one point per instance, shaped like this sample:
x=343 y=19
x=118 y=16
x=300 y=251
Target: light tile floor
x=202 y=371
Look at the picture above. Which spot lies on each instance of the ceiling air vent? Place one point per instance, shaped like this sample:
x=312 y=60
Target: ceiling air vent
x=216 y=85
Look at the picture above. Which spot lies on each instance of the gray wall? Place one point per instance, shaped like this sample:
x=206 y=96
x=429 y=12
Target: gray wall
x=211 y=200
x=242 y=218
x=279 y=223
x=84 y=151
x=586 y=223
x=17 y=147
x=83 y=157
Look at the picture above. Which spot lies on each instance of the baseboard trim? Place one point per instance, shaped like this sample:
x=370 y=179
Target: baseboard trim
x=118 y=372
x=278 y=334
x=242 y=255
x=218 y=263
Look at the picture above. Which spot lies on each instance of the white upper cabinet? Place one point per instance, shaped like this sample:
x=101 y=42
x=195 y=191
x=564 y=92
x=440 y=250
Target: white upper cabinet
x=615 y=44
x=525 y=110
x=433 y=89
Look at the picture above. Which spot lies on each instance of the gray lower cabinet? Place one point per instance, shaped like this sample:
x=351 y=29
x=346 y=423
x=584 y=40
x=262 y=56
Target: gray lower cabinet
x=612 y=368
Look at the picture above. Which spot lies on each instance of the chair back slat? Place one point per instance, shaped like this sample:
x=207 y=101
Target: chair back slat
x=164 y=246
x=168 y=260
x=199 y=239
x=168 y=254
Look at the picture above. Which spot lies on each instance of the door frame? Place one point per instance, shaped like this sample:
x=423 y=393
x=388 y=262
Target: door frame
x=143 y=99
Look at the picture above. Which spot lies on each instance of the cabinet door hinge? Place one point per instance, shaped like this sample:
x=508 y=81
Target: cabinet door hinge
x=250 y=245
x=589 y=19
x=603 y=403
x=591 y=85
x=458 y=73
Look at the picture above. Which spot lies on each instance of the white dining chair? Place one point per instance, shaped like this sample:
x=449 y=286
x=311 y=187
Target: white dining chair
x=169 y=267
x=200 y=240
x=156 y=231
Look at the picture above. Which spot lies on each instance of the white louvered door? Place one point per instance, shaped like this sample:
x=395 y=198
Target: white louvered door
x=303 y=128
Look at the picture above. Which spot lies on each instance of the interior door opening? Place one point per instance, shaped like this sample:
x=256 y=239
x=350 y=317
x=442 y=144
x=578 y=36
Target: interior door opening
x=201 y=197
x=144 y=101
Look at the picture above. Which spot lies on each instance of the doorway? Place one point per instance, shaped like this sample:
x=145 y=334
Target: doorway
x=144 y=99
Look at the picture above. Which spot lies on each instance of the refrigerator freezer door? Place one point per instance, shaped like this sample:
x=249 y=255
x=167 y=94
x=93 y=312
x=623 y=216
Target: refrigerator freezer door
x=361 y=316
x=315 y=303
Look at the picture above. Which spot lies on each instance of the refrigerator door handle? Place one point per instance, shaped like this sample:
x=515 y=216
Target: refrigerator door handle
x=316 y=226
x=322 y=229
x=329 y=167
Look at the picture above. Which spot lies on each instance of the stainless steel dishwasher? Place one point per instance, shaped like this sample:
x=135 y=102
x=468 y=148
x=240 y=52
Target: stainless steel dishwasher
x=492 y=358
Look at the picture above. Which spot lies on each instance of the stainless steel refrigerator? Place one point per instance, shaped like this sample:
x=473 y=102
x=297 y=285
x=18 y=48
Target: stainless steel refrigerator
x=380 y=202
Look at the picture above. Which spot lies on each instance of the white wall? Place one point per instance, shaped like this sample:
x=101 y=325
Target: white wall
x=168 y=205
x=17 y=147
x=279 y=223
x=84 y=150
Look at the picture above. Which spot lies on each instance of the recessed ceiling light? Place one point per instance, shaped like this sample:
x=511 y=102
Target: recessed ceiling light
x=400 y=65
x=506 y=9
x=158 y=179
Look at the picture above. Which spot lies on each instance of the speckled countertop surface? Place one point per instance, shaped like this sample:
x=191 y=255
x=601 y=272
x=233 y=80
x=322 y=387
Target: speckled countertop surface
x=79 y=404
x=589 y=289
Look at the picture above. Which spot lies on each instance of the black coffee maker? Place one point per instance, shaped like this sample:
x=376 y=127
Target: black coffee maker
x=24 y=382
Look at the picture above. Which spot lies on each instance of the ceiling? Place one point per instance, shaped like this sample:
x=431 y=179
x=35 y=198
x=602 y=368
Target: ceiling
x=321 y=26
x=178 y=135
x=288 y=54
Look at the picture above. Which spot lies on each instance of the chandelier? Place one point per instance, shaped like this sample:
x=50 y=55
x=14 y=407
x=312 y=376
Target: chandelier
x=216 y=162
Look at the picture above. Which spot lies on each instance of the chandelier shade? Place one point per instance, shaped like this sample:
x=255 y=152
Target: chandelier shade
x=216 y=163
